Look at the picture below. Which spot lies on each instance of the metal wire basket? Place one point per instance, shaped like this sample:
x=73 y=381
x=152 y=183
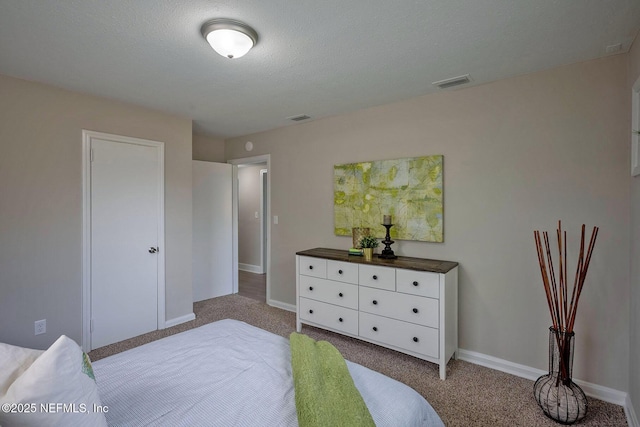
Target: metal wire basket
x=559 y=397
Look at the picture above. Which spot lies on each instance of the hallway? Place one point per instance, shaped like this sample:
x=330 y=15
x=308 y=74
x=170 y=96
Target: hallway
x=252 y=285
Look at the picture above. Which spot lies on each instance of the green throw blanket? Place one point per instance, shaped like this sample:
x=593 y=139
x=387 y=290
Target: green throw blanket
x=325 y=393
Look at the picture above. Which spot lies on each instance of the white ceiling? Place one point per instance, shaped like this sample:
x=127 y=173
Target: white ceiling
x=315 y=57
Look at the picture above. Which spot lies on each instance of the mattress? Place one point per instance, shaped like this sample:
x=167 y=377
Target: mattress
x=229 y=373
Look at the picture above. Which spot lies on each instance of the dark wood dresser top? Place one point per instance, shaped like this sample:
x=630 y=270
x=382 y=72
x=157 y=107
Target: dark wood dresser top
x=409 y=263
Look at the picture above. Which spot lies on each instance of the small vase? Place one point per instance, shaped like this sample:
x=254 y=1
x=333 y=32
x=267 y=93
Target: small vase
x=357 y=233
x=558 y=396
x=368 y=253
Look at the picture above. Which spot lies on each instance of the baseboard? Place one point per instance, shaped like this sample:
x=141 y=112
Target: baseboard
x=282 y=305
x=178 y=320
x=250 y=268
x=632 y=419
x=499 y=364
x=599 y=392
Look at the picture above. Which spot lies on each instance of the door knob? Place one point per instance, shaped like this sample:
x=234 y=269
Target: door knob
x=153 y=250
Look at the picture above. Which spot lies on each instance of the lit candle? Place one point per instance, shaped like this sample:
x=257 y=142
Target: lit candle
x=386 y=219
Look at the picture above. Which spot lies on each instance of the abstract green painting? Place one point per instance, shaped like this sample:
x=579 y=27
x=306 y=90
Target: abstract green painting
x=408 y=189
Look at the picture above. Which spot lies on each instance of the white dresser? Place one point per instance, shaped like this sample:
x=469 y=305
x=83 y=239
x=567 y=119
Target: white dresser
x=406 y=304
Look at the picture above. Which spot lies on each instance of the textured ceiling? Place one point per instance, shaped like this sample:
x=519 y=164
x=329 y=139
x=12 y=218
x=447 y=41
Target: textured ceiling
x=319 y=58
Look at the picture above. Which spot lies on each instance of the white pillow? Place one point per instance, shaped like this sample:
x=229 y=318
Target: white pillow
x=57 y=389
x=14 y=361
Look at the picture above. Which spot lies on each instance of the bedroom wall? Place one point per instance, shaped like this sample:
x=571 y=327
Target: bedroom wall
x=208 y=148
x=41 y=204
x=249 y=189
x=519 y=154
x=634 y=337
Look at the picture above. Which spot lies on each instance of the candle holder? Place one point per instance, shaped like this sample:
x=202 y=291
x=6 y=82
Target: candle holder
x=387 y=253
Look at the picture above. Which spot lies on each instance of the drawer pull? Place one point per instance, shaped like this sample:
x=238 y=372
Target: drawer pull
x=340 y=295
x=375 y=277
x=339 y=271
x=340 y=319
x=375 y=302
x=415 y=339
x=375 y=329
x=415 y=310
x=310 y=311
x=415 y=283
x=310 y=288
x=311 y=267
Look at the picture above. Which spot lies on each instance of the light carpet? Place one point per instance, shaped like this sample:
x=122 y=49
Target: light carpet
x=471 y=395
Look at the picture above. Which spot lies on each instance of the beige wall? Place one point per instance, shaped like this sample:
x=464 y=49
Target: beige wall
x=41 y=204
x=519 y=154
x=208 y=148
x=249 y=189
x=634 y=356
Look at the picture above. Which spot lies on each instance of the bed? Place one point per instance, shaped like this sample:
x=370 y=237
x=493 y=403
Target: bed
x=229 y=373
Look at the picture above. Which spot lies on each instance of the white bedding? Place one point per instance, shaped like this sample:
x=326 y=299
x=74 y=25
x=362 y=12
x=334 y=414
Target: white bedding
x=229 y=373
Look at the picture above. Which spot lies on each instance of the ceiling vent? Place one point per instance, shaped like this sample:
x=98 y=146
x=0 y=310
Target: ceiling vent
x=454 y=81
x=299 y=118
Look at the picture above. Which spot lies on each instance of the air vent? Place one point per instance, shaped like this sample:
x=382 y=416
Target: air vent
x=454 y=81
x=299 y=118
x=614 y=48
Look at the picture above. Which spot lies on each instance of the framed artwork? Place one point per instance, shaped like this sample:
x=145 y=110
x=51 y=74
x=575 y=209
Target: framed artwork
x=409 y=189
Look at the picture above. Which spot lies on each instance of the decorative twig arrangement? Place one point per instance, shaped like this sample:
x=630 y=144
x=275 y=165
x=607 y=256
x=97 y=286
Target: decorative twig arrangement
x=563 y=311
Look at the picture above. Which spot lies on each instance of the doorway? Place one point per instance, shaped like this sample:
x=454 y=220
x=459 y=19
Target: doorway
x=123 y=238
x=252 y=231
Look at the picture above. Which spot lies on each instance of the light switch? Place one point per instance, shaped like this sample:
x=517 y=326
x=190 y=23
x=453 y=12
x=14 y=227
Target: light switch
x=275 y=219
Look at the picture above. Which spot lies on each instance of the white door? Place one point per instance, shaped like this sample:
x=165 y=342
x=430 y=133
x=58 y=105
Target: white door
x=263 y=221
x=125 y=187
x=212 y=230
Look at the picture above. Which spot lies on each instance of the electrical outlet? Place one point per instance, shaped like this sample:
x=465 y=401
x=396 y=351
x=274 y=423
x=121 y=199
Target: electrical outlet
x=40 y=326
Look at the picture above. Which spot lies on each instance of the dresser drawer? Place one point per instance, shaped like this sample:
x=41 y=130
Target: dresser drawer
x=419 y=310
x=377 y=277
x=330 y=316
x=418 y=283
x=342 y=272
x=406 y=336
x=315 y=267
x=338 y=293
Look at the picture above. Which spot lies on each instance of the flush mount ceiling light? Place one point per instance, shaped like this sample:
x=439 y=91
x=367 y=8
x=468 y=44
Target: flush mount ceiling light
x=228 y=37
